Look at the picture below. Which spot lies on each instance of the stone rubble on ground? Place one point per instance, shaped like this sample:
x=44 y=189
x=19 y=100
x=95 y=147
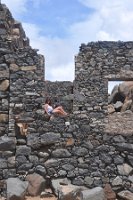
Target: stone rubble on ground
x=16 y=189
x=62 y=189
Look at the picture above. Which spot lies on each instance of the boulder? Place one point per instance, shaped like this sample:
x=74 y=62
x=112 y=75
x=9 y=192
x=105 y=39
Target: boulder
x=124 y=94
x=126 y=195
x=125 y=88
x=36 y=184
x=126 y=106
x=118 y=105
x=93 y=194
x=65 y=190
x=109 y=193
x=57 y=182
x=16 y=189
x=111 y=109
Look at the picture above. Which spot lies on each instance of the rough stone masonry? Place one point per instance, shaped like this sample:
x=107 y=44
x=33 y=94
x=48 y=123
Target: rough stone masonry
x=94 y=148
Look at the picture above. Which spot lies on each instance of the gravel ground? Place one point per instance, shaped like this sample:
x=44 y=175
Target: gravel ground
x=38 y=198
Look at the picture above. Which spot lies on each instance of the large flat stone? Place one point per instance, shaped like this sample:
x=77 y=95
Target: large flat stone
x=126 y=195
x=93 y=194
x=7 y=144
x=36 y=184
x=16 y=189
x=50 y=138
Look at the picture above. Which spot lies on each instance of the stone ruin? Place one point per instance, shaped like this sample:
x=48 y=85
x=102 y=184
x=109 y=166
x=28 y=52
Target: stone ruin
x=121 y=98
x=91 y=148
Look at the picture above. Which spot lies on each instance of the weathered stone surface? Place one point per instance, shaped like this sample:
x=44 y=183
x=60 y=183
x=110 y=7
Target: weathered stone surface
x=16 y=189
x=88 y=181
x=72 y=192
x=131 y=178
x=106 y=158
x=3 y=163
x=78 y=181
x=14 y=67
x=79 y=151
x=56 y=183
x=4 y=118
x=4 y=74
x=126 y=195
x=124 y=169
x=119 y=139
x=24 y=167
x=4 y=85
x=52 y=163
x=21 y=159
x=111 y=109
x=12 y=162
x=23 y=150
x=7 y=144
x=109 y=193
x=34 y=141
x=124 y=146
x=28 y=68
x=16 y=31
x=43 y=155
x=50 y=138
x=93 y=194
x=61 y=153
x=117 y=181
x=118 y=105
x=68 y=167
x=118 y=159
x=130 y=160
x=36 y=184
x=41 y=170
x=47 y=193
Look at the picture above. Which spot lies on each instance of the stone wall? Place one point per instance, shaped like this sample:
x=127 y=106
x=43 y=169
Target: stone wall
x=87 y=149
x=23 y=91
x=109 y=136
x=96 y=64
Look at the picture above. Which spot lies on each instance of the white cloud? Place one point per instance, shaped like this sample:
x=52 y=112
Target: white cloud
x=16 y=6
x=110 y=20
x=59 y=53
x=63 y=72
x=37 y=3
x=107 y=3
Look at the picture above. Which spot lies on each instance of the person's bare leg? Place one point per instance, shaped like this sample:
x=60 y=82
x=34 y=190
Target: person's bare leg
x=59 y=111
x=62 y=110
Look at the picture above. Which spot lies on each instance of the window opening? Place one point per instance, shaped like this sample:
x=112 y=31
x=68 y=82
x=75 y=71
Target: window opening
x=120 y=96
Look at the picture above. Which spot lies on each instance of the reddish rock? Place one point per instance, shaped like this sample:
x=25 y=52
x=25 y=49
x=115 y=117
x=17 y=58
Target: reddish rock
x=36 y=184
x=110 y=194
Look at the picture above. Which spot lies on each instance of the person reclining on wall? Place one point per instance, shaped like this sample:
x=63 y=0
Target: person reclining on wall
x=50 y=110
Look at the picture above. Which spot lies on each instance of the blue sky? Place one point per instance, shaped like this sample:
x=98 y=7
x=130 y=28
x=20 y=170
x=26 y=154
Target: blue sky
x=58 y=27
